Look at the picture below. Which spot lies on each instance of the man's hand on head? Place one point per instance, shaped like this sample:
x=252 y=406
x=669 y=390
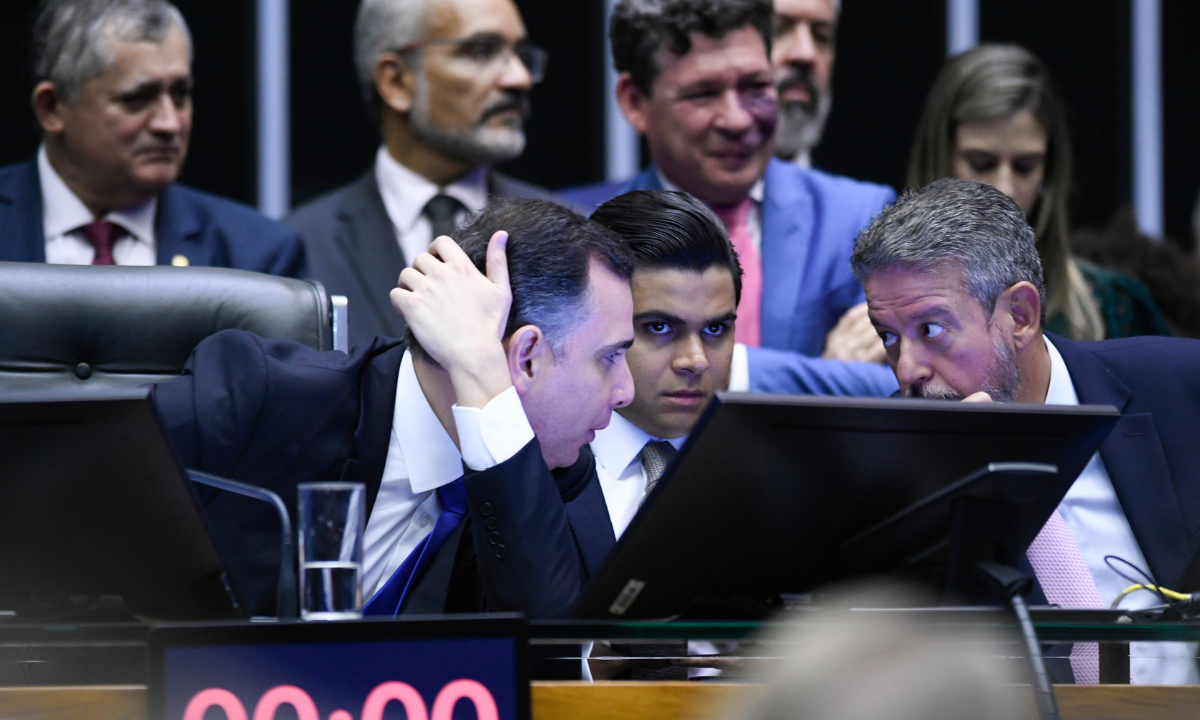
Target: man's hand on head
x=854 y=338
x=459 y=315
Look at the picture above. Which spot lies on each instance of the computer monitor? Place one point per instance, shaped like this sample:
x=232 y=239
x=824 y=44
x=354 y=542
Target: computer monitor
x=774 y=495
x=97 y=519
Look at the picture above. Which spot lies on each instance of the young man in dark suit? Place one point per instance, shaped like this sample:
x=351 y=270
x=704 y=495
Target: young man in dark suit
x=448 y=82
x=470 y=437
x=113 y=98
x=954 y=287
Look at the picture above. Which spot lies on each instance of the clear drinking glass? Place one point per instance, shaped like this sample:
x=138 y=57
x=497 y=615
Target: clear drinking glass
x=332 y=518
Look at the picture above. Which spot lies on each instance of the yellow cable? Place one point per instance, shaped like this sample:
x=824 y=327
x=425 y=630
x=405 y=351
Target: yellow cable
x=1174 y=595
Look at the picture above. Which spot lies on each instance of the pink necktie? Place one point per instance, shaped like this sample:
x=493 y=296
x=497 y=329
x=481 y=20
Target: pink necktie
x=748 y=329
x=103 y=235
x=1067 y=582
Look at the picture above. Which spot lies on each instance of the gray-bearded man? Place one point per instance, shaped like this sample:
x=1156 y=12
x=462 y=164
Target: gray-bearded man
x=448 y=82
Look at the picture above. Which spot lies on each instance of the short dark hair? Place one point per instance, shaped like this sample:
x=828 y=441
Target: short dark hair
x=954 y=223
x=640 y=28
x=550 y=251
x=667 y=229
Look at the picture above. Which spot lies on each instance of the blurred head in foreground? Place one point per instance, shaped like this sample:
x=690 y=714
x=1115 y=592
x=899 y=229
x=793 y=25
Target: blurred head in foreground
x=880 y=668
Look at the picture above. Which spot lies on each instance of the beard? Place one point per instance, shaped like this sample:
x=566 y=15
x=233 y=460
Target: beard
x=801 y=124
x=1002 y=382
x=477 y=145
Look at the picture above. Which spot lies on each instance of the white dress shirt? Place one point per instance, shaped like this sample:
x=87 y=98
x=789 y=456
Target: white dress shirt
x=63 y=213
x=1098 y=524
x=421 y=458
x=619 y=468
x=405 y=194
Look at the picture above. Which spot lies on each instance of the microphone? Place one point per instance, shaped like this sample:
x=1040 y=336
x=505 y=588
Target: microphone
x=286 y=599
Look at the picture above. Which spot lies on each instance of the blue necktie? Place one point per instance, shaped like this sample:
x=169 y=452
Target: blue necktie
x=390 y=598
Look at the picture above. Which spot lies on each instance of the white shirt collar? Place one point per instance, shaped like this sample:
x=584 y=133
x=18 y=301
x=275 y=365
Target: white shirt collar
x=617 y=445
x=64 y=212
x=756 y=192
x=405 y=193
x=1061 y=390
x=431 y=456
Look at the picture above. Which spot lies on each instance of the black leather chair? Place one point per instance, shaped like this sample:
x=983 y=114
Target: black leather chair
x=87 y=329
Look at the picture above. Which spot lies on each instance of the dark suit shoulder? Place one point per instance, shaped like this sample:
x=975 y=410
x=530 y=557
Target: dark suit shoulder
x=322 y=209
x=1168 y=360
x=16 y=177
x=232 y=216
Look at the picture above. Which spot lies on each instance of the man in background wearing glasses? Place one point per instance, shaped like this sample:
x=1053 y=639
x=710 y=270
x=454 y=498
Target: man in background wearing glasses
x=448 y=82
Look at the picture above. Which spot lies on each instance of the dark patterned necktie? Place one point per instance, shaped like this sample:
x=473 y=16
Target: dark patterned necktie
x=442 y=211
x=103 y=235
x=655 y=457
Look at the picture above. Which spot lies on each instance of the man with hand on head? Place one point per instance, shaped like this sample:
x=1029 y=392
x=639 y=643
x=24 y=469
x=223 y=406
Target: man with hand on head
x=113 y=98
x=696 y=81
x=470 y=437
x=954 y=287
x=448 y=83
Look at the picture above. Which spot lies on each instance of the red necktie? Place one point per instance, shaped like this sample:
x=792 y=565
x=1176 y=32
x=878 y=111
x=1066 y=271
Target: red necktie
x=748 y=329
x=103 y=235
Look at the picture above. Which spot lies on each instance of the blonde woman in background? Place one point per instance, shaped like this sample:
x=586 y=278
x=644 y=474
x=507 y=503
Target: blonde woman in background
x=994 y=116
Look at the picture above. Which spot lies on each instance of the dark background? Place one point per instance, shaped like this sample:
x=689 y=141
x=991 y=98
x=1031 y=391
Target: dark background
x=888 y=54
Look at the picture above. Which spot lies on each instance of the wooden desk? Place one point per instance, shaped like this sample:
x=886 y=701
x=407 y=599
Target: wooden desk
x=614 y=701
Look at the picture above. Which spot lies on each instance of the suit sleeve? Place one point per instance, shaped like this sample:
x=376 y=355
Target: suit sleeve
x=785 y=372
x=524 y=547
x=210 y=410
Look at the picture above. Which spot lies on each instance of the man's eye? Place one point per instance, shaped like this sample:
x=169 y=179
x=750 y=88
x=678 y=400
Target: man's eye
x=716 y=330
x=658 y=328
x=982 y=164
x=137 y=102
x=614 y=358
x=889 y=339
x=933 y=330
x=1026 y=167
x=484 y=48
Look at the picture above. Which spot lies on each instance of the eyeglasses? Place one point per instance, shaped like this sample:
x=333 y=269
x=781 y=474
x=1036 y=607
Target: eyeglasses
x=491 y=51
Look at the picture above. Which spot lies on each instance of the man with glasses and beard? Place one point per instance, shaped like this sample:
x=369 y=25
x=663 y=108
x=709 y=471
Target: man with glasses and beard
x=448 y=82
x=955 y=290
x=802 y=53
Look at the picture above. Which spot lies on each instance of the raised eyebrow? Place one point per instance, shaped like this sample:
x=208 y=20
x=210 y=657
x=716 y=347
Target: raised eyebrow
x=721 y=319
x=658 y=315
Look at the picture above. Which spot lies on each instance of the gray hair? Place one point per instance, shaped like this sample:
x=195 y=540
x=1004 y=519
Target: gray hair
x=957 y=223
x=71 y=38
x=383 y=26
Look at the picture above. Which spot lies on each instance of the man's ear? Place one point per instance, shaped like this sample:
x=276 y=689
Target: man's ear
x=395 y=81
x=47 y=106
x=633 y=102
x=527 y=351
x=1024 y=305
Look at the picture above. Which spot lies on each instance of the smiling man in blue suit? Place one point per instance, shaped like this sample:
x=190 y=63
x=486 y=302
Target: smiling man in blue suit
x=954 y=287
x=696 y=81
x=113 y=98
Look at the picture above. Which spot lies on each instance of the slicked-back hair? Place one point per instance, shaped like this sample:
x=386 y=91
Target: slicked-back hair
x=550 y=252
x=955 y=223
x=639 y=29
x=71 y=38
x=671 y=230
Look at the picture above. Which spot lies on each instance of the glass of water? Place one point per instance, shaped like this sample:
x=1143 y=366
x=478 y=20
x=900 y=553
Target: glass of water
x=332 y=517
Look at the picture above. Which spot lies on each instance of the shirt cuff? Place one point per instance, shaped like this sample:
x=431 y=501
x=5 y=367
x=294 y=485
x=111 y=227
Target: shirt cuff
x=494 y=434
x=739 y=369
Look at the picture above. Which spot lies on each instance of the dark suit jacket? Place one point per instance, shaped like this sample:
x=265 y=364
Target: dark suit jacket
x=206 y=229
x=276 y=414
x=1151 y=456
x=352 y=248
